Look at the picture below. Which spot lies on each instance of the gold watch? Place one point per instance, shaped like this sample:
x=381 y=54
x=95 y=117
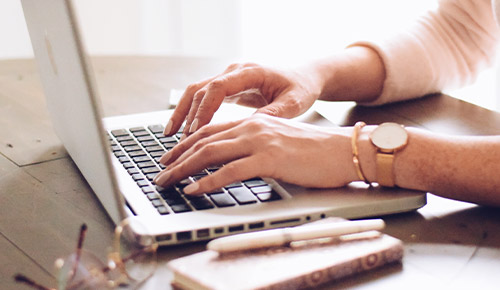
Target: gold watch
x=388 y=138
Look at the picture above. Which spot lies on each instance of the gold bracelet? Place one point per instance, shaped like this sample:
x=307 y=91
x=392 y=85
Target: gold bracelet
x=355 y=159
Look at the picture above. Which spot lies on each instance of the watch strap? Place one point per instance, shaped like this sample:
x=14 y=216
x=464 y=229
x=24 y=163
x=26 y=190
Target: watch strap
x=384 y=169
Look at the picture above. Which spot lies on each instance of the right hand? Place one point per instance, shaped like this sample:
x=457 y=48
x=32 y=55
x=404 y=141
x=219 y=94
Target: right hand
x=280 y=93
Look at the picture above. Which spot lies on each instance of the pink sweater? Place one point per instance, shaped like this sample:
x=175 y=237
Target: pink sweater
x=446 y=48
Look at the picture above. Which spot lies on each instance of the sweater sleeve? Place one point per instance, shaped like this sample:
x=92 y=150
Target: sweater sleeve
x=446 y=48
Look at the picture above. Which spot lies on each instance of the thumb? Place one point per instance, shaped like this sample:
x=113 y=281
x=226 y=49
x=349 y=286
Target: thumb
x=285 y=108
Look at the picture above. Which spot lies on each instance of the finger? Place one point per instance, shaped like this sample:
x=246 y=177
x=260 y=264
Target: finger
x=183 y=107
x=190 y=101
x=226 y=85
x=212 y=131
x=212 y=154
x=197 y=99
x=241 y=169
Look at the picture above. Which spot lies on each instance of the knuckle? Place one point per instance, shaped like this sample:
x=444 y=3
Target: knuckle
x=198 y=96
x=193 y=88
x=251 y=65
x=233 y=67
x=199 y=145
x=294 y=106
x=217 y=84
x=208 y=150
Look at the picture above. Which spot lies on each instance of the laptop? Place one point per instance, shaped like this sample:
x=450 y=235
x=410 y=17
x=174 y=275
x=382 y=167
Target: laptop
x=118 y=155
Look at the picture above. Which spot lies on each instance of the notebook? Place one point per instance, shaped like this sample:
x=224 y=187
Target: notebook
x=298 y=266
x=117 y=155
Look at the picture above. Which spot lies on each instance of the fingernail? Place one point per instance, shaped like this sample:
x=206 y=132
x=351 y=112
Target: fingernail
x=191 y=188
x=168 y=128
x=161 y=178
x=194 y=126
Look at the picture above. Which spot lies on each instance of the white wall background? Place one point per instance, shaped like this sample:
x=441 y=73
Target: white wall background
x=268 y=31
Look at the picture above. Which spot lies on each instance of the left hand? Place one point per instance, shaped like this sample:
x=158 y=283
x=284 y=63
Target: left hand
x=264 y=146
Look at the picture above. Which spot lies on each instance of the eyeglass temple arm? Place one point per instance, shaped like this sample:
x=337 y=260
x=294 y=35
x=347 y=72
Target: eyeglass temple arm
x=20 y=278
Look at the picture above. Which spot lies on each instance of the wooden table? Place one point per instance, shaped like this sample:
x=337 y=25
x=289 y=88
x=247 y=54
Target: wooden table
x=44 y=199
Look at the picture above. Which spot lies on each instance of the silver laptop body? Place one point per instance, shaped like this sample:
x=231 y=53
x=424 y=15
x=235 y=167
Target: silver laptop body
x=74 y=106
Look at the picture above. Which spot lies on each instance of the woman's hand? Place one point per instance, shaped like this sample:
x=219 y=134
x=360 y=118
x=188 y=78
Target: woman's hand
x=277 y=93
x=263 y=146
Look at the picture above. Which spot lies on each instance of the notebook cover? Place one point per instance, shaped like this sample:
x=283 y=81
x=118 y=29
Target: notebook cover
x=301 y=265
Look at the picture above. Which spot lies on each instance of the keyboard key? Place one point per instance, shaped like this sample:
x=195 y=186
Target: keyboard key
x=151 y=176
x=261 y=189
x=149 y=143
x=135 y=129
x=120 y=132
x=137 y=176
x=128 y=165
x=146 y=164
x=212 y=169
x=183 y=183
x=156 y=128
x=141 y=133
x=123 y=159
x=132 y=148
x=254 y=182
x=167 y=139
x=168 y=193
x=242 y=195
x=143 y=183
x=145 y=138
x=268 y=196
x=128 y=143
x=119 y=153
x=133 y=170
x=149 y=170
x=222 y=199
x=219 y=190
x=201 y=203
x=162 y=210
x=141 y=159
x=124 y=138
x=137 y=153
x=178 y=208
x=157 y=202
x=152 y=196
x=157 y=154
x=115 y=148
x=236 y=184
x=148 y=189
x=154 y=148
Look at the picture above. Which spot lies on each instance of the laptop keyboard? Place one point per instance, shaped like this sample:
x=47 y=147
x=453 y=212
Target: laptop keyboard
x=139 y=149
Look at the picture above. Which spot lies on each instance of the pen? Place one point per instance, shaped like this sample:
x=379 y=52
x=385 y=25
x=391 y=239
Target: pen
x=284 y=236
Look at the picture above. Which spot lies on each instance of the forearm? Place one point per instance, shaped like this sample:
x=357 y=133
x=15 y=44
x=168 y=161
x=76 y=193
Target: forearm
x=463 y=168
x=355 y=74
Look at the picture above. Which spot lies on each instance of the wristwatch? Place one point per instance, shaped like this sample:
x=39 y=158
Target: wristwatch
x=388 y=138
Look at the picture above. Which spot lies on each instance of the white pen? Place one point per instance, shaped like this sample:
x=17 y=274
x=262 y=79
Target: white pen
x=284 y=236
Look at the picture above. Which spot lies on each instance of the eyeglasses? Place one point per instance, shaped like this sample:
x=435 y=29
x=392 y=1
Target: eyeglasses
x=131 y=262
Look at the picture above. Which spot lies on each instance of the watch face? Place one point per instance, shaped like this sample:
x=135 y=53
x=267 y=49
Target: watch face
x=389 y=136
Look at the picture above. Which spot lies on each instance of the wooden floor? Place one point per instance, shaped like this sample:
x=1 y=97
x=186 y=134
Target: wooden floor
x=44 y=199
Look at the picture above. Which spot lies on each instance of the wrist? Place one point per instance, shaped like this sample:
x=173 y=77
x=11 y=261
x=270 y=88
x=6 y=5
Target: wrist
x=355 y=74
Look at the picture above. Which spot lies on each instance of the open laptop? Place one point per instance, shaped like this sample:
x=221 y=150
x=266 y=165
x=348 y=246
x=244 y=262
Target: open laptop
x=117 y=155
